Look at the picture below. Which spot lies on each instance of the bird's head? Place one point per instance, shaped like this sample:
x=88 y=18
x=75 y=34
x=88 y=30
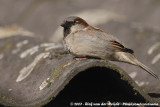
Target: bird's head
x=72 y=24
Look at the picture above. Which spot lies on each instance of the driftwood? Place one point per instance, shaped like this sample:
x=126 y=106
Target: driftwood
x=32 y=73
x=36 y=73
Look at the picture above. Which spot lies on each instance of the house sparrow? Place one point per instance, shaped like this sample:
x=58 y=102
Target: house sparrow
x=85 y=41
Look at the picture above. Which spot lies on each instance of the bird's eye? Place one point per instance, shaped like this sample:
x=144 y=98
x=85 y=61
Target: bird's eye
x=70 y=22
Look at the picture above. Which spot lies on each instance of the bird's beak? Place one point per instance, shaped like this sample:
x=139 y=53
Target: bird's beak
x=63 y=24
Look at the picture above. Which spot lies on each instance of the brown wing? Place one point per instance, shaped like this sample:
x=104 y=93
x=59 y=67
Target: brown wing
x=120 y=47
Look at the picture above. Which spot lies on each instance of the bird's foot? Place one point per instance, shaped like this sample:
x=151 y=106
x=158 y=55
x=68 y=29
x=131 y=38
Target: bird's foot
x=79 y=59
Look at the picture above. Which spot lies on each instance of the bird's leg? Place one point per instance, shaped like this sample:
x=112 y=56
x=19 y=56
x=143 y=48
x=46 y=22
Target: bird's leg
x=79 y=59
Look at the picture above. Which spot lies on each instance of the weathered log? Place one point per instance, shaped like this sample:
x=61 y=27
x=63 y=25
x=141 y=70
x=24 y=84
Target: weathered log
x=33 y=72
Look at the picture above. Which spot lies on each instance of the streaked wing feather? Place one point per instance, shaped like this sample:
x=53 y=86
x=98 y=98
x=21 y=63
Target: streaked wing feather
x=120 y=47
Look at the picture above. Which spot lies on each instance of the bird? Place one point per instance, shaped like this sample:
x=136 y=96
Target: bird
x=85 y=41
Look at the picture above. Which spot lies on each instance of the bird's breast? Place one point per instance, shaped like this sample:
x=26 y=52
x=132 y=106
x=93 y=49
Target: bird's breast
x=87 y=45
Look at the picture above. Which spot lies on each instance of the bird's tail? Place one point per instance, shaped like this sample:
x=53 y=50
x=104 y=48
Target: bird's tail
x=129 y=58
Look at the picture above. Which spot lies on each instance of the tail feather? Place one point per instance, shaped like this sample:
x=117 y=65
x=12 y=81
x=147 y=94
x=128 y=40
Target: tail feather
x=129 y=58
x=147 y=69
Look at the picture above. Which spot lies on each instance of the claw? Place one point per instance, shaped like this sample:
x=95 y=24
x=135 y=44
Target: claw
x=79 y=59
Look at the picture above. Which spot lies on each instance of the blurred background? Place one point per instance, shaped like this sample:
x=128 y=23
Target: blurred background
x=135 y=22
x=43 y=17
